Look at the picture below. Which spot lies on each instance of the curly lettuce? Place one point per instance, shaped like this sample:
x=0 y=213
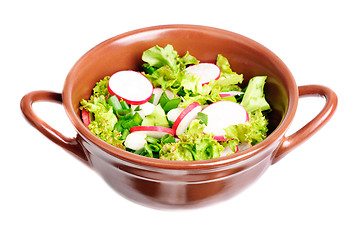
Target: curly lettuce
x=165 y=69
x=104 y=119
x=255 y=130
x=252 y=132
x=192 y=146
x=163 y=66
x=209 y=93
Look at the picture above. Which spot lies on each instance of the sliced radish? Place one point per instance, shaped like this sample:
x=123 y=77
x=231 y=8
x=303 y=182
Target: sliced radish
x=230 y=94
x=85 y=115
x=186 y=117
x=146 y=109
x=136 y=140
x=173 y=114
x=153 y=131
x=220 y=138
x=131 y=86
x=222 y=114
x=205 y=71
x=158 y=92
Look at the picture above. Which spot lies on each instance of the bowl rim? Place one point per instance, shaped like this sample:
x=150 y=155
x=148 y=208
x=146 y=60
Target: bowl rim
x=241 y=157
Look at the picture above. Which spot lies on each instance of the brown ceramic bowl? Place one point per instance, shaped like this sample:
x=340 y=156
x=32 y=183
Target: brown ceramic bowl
x=176 y=184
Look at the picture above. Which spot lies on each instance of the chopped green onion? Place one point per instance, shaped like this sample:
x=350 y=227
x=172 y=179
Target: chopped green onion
x=168 y=138
x=125 y=134
x=140 y=152
x=152 y=98
x=154 y=147
x=181 y=93
x=124 y=105
x=120 y=108
x=137 y=118
x=171 y=104
x=125 y=115
x=118 y=126
x=151 y=140
x=129 y=124
x=124 y=112
x=148 y=150
x=114 y=103
x=163 y=99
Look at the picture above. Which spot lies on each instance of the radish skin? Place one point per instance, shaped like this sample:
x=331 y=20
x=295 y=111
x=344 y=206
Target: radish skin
x=173 y=114
x=85 y=115
x=153 y=131
x=230 y=94
x=186 y=117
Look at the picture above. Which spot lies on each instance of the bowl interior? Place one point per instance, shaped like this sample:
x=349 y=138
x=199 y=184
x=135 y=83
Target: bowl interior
x=124 y=52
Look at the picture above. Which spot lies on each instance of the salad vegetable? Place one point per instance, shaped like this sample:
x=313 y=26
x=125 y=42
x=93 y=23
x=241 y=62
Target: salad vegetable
x=179 y=109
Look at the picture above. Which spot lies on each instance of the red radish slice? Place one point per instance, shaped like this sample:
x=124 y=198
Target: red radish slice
x=222 y=114
x=136 y=140
x=186 y=117
x=205 y=71
x=220 y=138
x=131 y=86
x=153 y=131
x=173 y=114
x=158 y=92
x=230 y=94
x=85 y=115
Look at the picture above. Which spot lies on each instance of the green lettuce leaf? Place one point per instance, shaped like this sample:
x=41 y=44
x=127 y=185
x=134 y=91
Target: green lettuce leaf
x=102 y=111
x=191 y=83
x=186 y=60
x=101 y=87
x=192 y=146
x=158 y=57
x=104 y=120
x=156 y=118
x=209 y=93
x=252 y=132
x=254 y=97
x=227 y=77
x=164 y=67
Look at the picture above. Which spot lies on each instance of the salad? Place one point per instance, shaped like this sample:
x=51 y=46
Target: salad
x=178 y=108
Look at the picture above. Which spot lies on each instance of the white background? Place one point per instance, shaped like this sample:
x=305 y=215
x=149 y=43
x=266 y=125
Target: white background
x=312 y=193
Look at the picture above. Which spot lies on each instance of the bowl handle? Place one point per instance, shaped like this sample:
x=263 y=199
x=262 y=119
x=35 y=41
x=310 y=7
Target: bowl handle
x=289 y=143
x=70 y=144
